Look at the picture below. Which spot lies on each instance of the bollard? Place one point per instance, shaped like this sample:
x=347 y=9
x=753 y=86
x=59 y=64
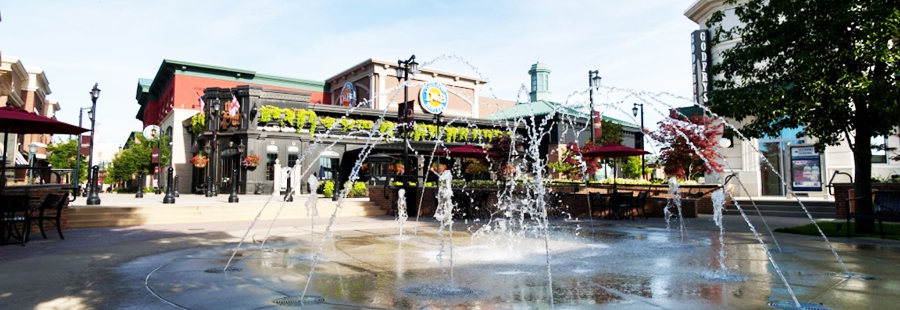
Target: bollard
x=170 y=197
x=176 y=187
x=93 y=197
x=140 y=186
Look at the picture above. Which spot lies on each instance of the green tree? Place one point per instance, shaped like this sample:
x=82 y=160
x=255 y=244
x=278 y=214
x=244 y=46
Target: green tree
x=631 y=166
x=137 y=159
x=63 y=155
x=830 y=66
x=612 y=133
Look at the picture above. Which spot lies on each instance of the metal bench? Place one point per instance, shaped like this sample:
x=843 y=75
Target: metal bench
x=885 y=207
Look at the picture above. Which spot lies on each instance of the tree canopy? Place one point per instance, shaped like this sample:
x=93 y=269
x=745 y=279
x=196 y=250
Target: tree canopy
x=830 y=67
x=137 y=159
x=678 y=157
x=63 y=155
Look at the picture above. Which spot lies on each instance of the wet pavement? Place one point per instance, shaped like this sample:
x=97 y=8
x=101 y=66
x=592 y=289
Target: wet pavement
x=365 y=264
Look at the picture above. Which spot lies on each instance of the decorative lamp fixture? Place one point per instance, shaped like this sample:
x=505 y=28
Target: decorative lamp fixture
x=725 y=142
x=95 y=93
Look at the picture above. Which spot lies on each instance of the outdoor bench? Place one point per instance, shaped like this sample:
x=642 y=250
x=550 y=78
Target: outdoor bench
x=885 y=207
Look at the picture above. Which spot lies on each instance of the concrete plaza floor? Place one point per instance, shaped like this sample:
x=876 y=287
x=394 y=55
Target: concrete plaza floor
x=95 y=268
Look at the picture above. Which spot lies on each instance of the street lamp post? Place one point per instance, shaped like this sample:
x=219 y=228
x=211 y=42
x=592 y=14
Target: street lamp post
x=593 y=82
x=77 y=172
x=93 y=196
x=635 y=111
x=32 y=149
x=234 y=174
x=210 y=173
x=404 y=69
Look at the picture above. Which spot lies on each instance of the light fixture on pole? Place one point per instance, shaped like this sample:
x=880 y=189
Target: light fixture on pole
x=77 y=173
x=635 y=111
x=93 y=196
x=32 y=149
x=404 y=70
x=593 y=82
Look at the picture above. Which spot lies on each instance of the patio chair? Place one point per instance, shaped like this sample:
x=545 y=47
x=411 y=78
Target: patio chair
x=16 y=213
x=621 y=204
x=639 y=204
x=51 y=210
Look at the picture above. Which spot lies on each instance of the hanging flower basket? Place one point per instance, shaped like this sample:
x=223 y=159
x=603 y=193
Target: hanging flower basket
x=396 y=169
x=199 y=161
x=251 y=161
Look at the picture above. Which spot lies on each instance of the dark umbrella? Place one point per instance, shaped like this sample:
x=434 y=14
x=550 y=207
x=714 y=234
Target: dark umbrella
x=466 y=151
x=15 y=120
x=614 y=151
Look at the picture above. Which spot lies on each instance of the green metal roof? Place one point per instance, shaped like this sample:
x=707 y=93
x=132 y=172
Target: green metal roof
x=541 y=108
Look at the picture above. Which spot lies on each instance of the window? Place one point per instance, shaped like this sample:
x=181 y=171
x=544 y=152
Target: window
x=293 y=155
x=325 y=169
x=879 y=150
x=270 y=166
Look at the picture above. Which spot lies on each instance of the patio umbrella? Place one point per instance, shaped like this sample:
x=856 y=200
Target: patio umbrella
x=466 y=151
x=15 y=120
x=614 y=151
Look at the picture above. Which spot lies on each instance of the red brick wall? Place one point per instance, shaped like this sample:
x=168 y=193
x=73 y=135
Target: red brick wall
x=574 y=200
x=38 y=193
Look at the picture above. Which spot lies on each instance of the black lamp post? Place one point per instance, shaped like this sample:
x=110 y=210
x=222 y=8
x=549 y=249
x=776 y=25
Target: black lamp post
x=207 y=192
x=233 y=198
x=593 y=82
x=404 y=69
x=93 y=196
x=211 y=146
x=635 y=111
x=140 y=185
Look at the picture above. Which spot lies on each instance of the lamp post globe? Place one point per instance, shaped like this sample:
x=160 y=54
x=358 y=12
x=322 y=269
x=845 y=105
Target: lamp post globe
x=93 y=196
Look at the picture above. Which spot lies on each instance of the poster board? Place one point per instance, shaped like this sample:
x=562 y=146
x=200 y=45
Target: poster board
x=806 y=169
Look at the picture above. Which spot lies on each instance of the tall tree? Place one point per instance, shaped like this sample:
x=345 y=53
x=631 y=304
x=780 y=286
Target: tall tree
x=680 y=137
x=828 y=66
x=63 y=155
x=137 y=159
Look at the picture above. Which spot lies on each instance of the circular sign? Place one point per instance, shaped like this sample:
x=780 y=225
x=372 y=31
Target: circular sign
x=433 y=98
x=348 y=95
x=151 y=132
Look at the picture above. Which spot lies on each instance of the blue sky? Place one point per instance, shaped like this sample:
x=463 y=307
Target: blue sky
x=641 y=45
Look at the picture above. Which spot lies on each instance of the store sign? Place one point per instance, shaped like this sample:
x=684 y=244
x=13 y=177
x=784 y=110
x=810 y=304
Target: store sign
x=806 y=171
x=433 y=98
x=151 y=132
x=348 y=95
x=702 y=60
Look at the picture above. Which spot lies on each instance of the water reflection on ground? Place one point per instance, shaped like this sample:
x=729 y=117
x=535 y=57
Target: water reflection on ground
x=615 y=267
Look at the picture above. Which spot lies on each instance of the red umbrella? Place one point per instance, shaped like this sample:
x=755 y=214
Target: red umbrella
x=614 y=151
x=466 y=151
x=15 y=120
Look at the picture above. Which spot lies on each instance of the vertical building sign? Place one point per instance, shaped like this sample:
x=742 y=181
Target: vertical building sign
x=598 y=125
x=702 y=60
x=806 y=171
x=84 y=147
x=406 y=115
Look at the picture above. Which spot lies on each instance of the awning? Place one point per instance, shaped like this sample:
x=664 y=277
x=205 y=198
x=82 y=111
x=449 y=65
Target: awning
x=419 y=146
x=20 y=160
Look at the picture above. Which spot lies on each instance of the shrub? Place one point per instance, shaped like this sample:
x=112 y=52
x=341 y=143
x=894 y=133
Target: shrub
x=359 y=190
x=328 y=189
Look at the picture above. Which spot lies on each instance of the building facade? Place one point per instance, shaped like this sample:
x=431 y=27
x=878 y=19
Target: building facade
x=805 y=172
x=282 y=120
x=25 y=87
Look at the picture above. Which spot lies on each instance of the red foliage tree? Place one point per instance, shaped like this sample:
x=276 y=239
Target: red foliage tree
x=677 y=156
x=570 y=165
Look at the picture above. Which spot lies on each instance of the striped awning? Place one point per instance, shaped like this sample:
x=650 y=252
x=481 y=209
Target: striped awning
x=20 y=160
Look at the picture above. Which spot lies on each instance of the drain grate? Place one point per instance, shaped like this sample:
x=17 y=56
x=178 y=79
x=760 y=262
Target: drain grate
x=296 y=301
x=221 y=270
x=790 y=305
x=851 y=276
